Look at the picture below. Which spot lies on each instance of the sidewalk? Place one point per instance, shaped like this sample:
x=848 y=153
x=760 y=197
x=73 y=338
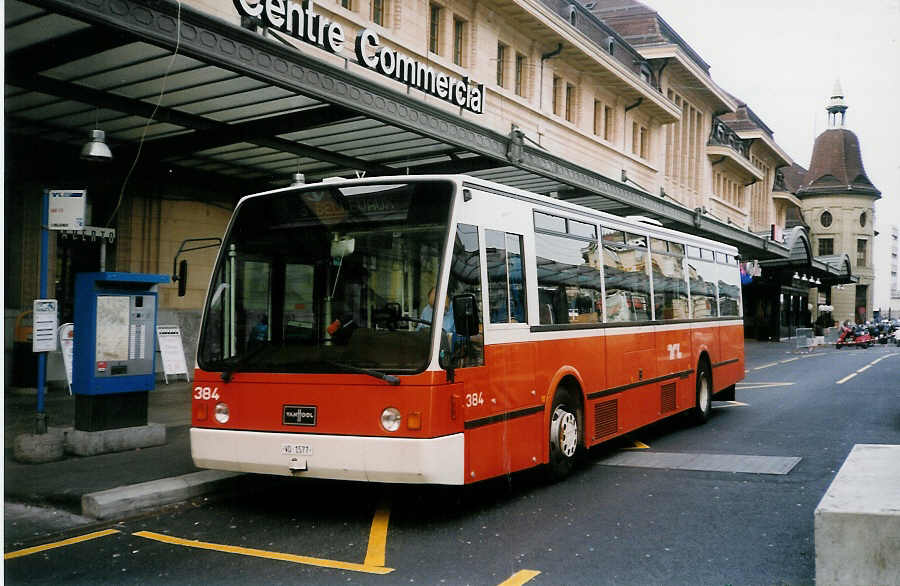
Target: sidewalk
x=62 y=484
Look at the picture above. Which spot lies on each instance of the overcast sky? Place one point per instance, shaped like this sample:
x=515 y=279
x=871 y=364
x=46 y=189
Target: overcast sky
x=782 y=57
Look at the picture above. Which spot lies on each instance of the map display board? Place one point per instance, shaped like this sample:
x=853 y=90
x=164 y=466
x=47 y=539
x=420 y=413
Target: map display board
x=113 y=312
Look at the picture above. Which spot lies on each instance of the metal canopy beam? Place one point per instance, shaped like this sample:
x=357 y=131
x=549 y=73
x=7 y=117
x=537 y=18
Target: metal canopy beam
x=60 y=50
x=468 y=165
x=249 y=131
x=217 y=42
x=40 y=83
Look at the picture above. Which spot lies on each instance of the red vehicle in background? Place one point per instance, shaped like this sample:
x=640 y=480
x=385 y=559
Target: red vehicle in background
x=854 y=335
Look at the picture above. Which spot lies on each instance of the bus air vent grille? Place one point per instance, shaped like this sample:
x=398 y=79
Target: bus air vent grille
x=606 y=418
x=667 y=400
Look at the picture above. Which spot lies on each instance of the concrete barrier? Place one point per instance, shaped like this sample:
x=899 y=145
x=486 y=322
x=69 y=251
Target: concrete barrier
x=127 y=500
x=857 y=522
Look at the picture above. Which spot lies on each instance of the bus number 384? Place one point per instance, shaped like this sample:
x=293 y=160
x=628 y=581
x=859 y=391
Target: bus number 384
x=206 y=393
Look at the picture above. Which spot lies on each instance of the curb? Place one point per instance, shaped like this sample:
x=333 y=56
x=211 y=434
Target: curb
x=125 y=500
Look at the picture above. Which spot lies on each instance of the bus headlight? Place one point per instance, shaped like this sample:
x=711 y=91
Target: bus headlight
x=390 y=419
x=222 y=414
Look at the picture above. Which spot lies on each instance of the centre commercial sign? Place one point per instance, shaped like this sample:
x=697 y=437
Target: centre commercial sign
x=301 y=22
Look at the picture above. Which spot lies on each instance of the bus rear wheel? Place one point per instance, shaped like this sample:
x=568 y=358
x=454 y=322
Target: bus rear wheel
x=564 y=435
x=703 y=407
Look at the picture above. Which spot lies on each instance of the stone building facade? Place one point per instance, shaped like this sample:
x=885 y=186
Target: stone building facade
x=607 y=85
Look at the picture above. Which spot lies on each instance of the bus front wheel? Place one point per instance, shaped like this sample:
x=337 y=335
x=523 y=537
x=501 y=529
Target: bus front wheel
x=703 y=407
x=564 y=435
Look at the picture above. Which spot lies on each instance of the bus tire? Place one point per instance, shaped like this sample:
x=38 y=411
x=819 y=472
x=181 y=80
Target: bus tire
x=703 y=406
x=564 y=435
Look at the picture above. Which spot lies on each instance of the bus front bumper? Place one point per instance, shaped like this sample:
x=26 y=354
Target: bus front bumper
x=377 y=459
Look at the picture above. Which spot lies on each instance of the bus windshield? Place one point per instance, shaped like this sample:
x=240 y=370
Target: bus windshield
x=332 y=279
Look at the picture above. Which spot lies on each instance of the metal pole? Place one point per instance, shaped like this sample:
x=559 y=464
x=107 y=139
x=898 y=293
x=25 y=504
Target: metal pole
x=41 y=418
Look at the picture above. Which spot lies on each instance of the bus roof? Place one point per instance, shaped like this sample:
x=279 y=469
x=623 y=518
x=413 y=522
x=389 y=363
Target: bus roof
x=549 y=203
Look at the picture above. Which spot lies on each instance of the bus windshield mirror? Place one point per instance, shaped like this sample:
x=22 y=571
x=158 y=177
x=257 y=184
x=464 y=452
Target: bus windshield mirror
x=465 y=315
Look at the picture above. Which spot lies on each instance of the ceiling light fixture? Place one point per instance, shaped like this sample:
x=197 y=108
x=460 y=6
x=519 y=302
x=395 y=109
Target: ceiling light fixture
x=96 y=150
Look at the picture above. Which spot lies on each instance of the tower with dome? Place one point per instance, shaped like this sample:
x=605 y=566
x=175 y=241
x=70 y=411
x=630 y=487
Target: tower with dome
x=838 y=202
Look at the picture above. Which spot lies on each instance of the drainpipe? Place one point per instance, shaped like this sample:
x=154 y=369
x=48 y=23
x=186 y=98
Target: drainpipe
x=544 y=57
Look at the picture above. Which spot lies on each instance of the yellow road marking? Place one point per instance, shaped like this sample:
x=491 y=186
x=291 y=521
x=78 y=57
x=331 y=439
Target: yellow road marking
x=749 y=386
x=378 y=536
x=637 y=446
x=845 y=379
x=55 y=544
x=260 y=553
x=765 y=366
x=519 y=578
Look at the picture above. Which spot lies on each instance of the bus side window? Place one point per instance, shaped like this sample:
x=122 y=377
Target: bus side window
x=729 y=289
x=627 y=281
x=569 y=286
x=465 y=277
x=669 y=287
x=702 y=277
x=506 y=277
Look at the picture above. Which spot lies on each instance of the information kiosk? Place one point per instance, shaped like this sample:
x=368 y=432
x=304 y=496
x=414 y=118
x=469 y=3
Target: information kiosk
x=115 y=350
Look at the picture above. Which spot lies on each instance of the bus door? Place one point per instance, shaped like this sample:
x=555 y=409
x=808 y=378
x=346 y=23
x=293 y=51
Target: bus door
x=503 y=418
x=671 y=308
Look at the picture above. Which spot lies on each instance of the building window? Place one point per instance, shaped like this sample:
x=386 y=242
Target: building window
x=607 y=123
x=640 y=142
x=378 y=12
x=862 y=219
x=760 y=196
x=570 y=102
x=520 y=75
x=501 y=62
x=459 y=40
x=826 y=246
x=434 y=29
x=634 y=137
x=685 y=140
x=348 y=4
x=598 y=117
x=861 y=252
x=825 y=219
x=557 y=88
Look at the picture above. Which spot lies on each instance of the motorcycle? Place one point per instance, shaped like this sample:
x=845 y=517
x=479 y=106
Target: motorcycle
x=857 y=336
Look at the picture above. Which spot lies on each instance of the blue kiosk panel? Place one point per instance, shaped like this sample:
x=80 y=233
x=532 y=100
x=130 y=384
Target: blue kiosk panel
x=115 y=341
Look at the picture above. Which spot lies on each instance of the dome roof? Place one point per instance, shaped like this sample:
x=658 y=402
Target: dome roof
x=836 y=166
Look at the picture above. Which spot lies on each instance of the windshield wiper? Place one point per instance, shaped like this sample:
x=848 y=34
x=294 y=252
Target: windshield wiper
x=388 y=378
x=241 y=361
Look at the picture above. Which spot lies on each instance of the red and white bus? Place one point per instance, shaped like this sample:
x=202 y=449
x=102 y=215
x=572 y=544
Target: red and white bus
x=446 y=329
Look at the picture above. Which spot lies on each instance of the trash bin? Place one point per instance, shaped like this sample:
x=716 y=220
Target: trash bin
x=24 y=370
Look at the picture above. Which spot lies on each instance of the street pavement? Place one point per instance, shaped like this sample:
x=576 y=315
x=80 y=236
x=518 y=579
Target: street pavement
x=43 y=500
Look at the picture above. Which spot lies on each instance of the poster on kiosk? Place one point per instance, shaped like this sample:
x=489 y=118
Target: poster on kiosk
x=115 y=350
